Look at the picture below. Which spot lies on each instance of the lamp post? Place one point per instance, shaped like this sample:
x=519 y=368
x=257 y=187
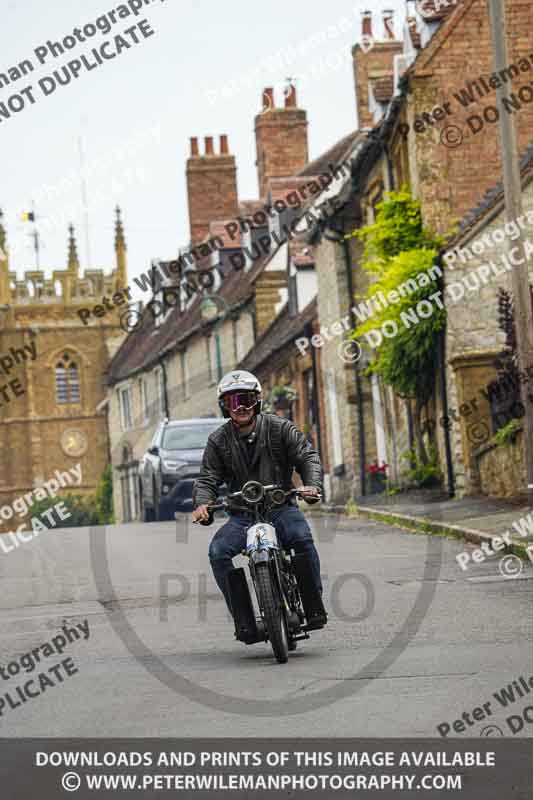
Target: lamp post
x=214 y=308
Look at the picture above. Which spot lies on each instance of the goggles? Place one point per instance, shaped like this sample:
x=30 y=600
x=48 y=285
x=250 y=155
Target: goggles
x=236 y=400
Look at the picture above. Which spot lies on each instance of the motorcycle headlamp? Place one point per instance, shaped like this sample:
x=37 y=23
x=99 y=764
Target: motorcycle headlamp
x=277 y=496
x=253 y=492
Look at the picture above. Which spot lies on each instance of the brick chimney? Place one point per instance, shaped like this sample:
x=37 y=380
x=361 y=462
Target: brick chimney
x=281 y=139
x=211 y=186
x=374 y=64
x=388 y=25
x=367 y=24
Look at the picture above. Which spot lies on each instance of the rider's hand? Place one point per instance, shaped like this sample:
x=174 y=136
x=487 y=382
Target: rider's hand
x=309 y=493
x=201 y=514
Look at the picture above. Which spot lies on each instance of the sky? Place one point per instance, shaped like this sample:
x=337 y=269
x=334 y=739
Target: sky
x=130 y=119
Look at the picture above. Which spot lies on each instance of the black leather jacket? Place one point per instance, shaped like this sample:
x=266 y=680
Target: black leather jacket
x=281 y=448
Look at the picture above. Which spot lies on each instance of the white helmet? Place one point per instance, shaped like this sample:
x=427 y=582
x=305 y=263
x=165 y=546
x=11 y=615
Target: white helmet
x=238 y=381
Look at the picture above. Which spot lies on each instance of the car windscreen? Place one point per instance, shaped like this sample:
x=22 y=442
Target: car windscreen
x=188 y=437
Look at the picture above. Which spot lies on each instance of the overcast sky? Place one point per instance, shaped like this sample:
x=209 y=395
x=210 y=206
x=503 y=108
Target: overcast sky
x=140 y=109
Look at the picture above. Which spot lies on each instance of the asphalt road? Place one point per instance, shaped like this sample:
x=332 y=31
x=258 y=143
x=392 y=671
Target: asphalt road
x=412 y=641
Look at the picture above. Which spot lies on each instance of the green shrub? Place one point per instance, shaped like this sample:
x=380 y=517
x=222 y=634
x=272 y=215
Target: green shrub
x=104 y=498
x=424 y=476
x=81 y=509
x=84 y=510
x=508 y=433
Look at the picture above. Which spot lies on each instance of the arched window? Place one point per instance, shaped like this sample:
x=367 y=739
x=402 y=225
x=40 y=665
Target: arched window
x=67 y=381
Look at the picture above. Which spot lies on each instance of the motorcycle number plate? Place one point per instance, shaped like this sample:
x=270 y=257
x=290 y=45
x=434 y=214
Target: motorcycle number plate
x=261 y=537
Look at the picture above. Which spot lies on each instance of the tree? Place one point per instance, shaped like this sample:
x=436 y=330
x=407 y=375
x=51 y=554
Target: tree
x=398 y=248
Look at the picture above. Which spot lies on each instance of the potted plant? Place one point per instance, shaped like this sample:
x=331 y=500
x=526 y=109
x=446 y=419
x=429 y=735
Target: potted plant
x=280 y=398
x=378 y=476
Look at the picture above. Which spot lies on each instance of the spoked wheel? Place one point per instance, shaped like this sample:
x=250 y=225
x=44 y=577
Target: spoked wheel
x=275 y=622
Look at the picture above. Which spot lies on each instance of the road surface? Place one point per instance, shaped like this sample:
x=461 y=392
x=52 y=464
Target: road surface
x=412 y=641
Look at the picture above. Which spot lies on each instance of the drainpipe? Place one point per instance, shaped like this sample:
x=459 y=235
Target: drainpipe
x=358 y=385
x=165 y=387
x=442 y=370
x=308 y=332
x=390 y=171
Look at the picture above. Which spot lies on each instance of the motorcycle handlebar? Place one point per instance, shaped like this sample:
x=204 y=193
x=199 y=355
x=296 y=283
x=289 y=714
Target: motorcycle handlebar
x=224 y=506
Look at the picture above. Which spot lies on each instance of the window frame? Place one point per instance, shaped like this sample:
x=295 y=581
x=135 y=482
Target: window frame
x=144 y=402
x=122 y=392
x=160 y=390
x=70 y=387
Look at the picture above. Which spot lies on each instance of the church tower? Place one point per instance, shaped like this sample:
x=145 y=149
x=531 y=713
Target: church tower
x=51 y=412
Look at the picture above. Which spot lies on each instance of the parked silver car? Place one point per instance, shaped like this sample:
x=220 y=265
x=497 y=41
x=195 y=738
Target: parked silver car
x=171 y=464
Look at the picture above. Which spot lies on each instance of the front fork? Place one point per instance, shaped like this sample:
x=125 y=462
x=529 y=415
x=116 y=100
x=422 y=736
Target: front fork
x=272 y=558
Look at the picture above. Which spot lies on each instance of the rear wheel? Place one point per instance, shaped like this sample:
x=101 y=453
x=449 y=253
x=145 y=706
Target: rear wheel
x=275 y=622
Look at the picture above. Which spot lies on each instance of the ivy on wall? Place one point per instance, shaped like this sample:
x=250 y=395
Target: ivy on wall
x=397 y=247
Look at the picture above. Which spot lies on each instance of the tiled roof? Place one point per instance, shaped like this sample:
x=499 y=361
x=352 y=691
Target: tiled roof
x=282 y=331
x=334 y=155
x=281 y=187
x=142 y=348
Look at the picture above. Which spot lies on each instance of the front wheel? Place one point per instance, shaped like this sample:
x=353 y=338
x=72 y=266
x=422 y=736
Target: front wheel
x=275 y=621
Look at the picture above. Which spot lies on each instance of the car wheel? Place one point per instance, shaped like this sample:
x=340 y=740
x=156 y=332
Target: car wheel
x=148 y=513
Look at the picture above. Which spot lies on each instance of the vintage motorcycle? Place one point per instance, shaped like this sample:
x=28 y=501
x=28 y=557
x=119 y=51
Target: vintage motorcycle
x=286 y=598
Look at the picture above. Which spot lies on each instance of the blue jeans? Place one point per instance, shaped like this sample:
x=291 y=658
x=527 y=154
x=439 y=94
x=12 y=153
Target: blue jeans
x=230 y=540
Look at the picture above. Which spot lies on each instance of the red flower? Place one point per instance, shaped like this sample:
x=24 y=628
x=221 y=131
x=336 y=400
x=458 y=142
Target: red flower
x=376 y=469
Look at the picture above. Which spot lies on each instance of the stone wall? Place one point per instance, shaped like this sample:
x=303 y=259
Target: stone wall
x=38 y=435
x=474 y=340
x=501 y=468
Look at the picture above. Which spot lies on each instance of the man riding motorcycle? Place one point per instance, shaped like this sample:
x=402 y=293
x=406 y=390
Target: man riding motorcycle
x=266 y=448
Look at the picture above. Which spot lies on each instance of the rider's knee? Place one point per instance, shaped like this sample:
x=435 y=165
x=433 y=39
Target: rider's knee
x=217 y=551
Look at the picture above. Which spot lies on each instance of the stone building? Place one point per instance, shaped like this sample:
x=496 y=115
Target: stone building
x=408 y=93
x=50 y=414
x=170 y=366
x=479 y=261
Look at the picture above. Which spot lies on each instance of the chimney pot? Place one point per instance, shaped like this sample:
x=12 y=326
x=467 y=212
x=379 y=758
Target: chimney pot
x=224 y=149
x=194 y=146
x=209 y=151
x=367 y=23
x=290 y=96
x=388 y=24
x=268 y=99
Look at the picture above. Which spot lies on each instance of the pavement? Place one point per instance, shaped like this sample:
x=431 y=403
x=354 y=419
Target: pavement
x=474 y=519
x=412 y=642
